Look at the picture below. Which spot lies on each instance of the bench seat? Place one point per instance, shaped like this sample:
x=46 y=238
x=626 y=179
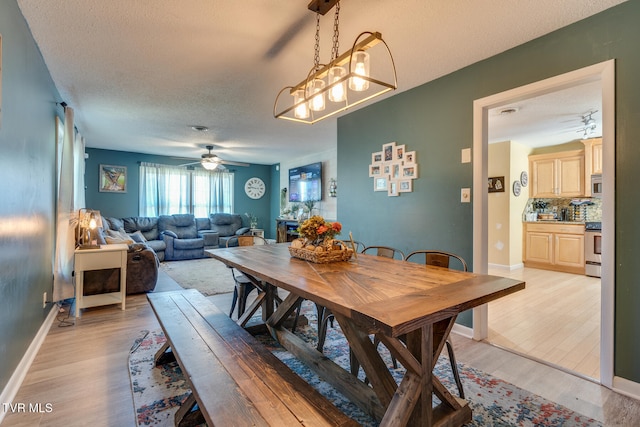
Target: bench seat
x=234 y=379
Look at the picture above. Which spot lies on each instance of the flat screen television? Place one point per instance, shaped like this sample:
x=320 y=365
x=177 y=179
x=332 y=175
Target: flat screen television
x=305 y=183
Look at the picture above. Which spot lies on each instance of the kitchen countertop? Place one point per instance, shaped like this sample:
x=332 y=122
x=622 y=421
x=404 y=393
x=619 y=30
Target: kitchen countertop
x=554 y=221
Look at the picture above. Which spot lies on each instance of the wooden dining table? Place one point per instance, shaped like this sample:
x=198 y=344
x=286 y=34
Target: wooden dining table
x=411 y=308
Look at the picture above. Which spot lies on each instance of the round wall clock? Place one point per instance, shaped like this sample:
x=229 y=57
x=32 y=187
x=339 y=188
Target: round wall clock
x=524 y=178
x=516 y=188
x=255 y=188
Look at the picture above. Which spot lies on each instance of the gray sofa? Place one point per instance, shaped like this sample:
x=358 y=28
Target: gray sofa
x=180 y=236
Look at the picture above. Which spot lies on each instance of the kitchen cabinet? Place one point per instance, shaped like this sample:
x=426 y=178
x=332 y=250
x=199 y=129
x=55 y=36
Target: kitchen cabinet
x=554 y=246
x=557 y=174
x=592 y=160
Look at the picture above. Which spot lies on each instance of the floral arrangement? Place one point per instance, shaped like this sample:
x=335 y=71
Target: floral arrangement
x=253 y=220
x=317 y=230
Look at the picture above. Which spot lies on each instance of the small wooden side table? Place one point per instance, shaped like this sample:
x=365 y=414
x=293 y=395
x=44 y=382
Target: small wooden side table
x=107 y=256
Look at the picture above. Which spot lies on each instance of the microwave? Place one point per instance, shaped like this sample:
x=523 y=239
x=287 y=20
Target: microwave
x=596 y=185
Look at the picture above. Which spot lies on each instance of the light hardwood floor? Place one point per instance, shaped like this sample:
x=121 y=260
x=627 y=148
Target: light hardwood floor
x=82 y=372
x=555 y=319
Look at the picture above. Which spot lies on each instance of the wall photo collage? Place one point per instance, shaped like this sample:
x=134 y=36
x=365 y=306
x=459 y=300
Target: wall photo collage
x=393 y=169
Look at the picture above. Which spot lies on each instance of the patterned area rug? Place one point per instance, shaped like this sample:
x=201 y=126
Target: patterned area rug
x=207 y=275
x=158 y=392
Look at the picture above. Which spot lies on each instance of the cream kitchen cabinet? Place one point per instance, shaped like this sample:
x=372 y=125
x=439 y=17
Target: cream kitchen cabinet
x=592 y=160
x=554 y=246
x=557 y=174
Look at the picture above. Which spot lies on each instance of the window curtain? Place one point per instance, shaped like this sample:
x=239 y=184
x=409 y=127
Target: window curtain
x=67 y=174
x=166 y=190
x=212 y=192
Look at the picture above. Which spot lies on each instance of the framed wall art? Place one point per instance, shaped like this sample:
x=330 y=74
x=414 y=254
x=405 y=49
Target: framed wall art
x=380 y=184
x=496 y=184
x=393 y=169
x=113 y=179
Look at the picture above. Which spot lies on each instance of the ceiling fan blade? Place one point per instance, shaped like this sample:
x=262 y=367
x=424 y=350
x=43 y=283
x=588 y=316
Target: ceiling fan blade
x=229 y=162
x=189 y=164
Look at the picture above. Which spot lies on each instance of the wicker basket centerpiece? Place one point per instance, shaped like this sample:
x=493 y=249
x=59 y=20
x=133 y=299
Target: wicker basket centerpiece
x=317 y=244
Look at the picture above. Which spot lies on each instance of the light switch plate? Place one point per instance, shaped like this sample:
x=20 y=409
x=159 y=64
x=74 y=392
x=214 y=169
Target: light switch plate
x=465 y=195
x=466 y=155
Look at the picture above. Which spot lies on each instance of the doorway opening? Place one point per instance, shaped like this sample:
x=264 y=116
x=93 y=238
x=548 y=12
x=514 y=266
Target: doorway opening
x=605 y=73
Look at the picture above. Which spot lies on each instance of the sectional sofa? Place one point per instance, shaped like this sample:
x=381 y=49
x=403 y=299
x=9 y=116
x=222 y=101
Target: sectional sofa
x=175 y=237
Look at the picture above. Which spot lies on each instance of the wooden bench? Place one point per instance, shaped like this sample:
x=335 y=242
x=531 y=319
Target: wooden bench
x=234 y=379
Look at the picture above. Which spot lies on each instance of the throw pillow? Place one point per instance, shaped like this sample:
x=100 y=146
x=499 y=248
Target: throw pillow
x=117 y=237
x=138 y=237
x=242 y=231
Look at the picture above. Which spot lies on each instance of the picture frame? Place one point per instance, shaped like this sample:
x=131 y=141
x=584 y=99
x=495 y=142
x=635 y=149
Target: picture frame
x=392 y=190
x=496 y=184
x=386 y=168
x=376 y=157
x=388 y=151
x=394 y=172
x=374 y=170
x=409 y=171
x=380 y=183
x=399 y=152
x=409 y=158
x=113 y=179
x=405 y=186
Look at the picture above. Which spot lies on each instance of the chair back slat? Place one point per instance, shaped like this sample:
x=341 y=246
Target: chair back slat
x=385 y=251
x=438 y=258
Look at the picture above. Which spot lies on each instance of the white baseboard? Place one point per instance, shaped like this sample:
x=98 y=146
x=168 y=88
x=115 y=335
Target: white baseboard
x=506 y=267
x=626 y=387
x=13 y=385
x=465 y=331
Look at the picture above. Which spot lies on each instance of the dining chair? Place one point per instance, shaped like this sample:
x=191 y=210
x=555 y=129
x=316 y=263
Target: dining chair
x=357 y=245
x=384 y=251
x=443 y=259
x=243 y=285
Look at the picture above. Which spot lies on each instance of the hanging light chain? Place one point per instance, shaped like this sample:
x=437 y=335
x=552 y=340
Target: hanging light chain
x=336 y=34
x=316 y=56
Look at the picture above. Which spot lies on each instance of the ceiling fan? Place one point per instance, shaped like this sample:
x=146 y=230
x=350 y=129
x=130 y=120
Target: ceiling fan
x=211 y=161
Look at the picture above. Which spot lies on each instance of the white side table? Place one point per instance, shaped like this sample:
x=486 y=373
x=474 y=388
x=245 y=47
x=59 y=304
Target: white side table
x=107 y=256
x=257 y=232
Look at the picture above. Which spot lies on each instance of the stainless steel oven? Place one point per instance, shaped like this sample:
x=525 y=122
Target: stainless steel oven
x=593 y=248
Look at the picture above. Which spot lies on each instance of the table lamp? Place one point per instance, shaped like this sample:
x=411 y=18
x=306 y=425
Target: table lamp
x=88 y=222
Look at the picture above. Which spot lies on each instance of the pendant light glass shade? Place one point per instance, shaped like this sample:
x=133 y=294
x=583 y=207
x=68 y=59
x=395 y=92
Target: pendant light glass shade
x=301 y=111
x=316 y=102
x=359 y=67
x=306 y=101
x=338 y=92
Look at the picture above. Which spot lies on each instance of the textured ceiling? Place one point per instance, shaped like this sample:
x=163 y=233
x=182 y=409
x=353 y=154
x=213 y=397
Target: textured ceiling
x=140 y=73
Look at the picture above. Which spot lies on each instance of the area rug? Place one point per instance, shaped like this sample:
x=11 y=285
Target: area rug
x=207 y=275
x=159 y=391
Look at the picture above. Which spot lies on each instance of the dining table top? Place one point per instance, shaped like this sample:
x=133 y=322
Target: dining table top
x=380 y=294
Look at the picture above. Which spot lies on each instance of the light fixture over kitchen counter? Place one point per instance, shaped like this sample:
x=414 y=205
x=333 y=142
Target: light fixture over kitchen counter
x=349 y=79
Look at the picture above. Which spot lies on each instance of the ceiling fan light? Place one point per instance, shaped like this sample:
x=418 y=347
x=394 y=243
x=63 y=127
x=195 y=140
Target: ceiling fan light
x=360 y=67
x=209 y=164
x=338 y=92
x=316 y=102
x=302 y=110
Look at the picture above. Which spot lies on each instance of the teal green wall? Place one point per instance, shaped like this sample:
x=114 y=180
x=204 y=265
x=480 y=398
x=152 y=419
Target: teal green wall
x=27 y=171
x=435 y=119
x=126 y=204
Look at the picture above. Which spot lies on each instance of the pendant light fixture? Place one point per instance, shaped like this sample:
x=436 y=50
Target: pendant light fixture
x=349 y=79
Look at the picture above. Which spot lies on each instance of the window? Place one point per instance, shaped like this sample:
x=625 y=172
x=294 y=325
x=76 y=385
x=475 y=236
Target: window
x=166 y=190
